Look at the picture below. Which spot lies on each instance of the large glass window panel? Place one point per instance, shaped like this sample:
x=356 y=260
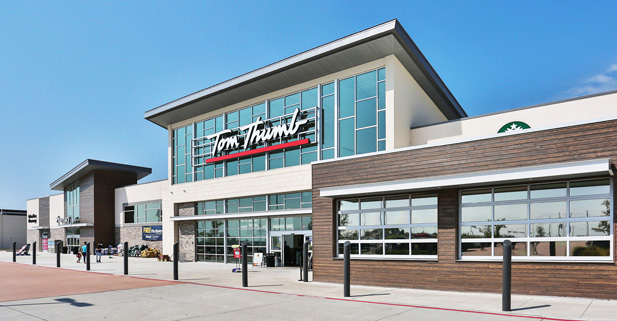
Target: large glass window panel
x=345 y=205
x=346 y=97
x=371 y=203
x=347 y=137
x=349 y=219
x=590 y=208
x=365 y=86
x=424 y=201
x=591 y=228
x=366 y=113
x=397 y=248
x=550 y=210
x=558 y=248
x=370 y=218
x=309 y=98
x=512 y=212
x=371 y=248
x=476 y=214
x=367 y=140
x=292 y=157
x=424 y=216
x=518 y=249
x=276 y=107
x=590 y=248
x=402 y=201
x=590 y=187
x=510 y=230
x=424 y=249
x=396 y=218
x=327 y=130
x=511 y=193
x=476 y=231
x=397 y=233
x=476 y=196
x=348 y=234
x=425 y=232
x=548 y=190
x=548 y=229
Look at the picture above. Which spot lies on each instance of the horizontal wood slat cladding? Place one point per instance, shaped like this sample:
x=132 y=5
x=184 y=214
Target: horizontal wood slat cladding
x=576 y=143
x=104 y=201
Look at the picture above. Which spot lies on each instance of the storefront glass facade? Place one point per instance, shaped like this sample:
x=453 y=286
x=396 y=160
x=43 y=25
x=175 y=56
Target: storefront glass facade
x=403 y=226
x=71 y=202
x=357 y=126
x=567 y=220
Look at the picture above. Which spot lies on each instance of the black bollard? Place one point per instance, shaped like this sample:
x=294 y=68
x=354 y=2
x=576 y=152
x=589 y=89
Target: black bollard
x=305 y=261
x=14 y=251
x=245 y=275
x=506 y=296
x=176 y=259
x=34 y=253
x=126 y=258
x=346 y=268
x=88 y=256
x=58 y=250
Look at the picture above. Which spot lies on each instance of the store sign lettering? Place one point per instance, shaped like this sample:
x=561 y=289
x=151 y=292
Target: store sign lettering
x=32 y=218
x=255 y=133
x=64 y=220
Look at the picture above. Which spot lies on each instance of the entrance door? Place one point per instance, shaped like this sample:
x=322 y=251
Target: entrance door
x=292 y=249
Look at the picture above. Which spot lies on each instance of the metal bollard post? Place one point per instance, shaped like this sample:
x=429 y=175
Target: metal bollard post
x=176 y=259
x=58 y=250
x=305 y=261
x=14 y=251
x=346 y=268
x=245 y=275
x=34 y=253
x=126 y=258
x=88 y=256
x=506 y=296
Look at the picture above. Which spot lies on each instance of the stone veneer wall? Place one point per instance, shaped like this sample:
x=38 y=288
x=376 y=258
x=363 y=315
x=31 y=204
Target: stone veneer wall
x=58 y=234
x=33 y=236
x=186 y=233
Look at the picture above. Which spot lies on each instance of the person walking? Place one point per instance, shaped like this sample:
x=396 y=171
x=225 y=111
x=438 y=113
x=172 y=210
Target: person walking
x=84 y=253
x=99 y=252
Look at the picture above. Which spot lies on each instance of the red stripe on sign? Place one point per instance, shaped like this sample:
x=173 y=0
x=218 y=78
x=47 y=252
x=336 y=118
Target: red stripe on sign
x=258 y=151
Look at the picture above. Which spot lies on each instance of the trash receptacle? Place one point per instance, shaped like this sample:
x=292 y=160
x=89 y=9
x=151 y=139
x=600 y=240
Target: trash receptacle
x=269 y=259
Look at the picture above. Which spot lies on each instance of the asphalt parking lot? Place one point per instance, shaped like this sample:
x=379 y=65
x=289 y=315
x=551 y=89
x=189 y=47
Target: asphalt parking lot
x=211 y=291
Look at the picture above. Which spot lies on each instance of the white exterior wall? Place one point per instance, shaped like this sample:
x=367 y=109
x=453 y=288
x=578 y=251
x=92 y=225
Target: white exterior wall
x=541 y=117
x=32 y=207
x=134 y=194
x=56 y=208
x=12 y=229
x=407 y=105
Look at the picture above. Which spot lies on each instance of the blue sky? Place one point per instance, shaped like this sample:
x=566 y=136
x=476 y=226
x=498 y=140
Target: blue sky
x=76 y=77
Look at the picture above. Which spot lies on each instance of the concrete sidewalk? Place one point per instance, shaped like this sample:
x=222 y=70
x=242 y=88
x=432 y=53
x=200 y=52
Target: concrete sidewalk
x=283 y=282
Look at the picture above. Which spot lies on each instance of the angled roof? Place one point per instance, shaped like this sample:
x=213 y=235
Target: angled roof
x=361 y=47
x=91 y=164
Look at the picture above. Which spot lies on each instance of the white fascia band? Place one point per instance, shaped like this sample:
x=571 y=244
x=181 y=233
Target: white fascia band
x=561 y=170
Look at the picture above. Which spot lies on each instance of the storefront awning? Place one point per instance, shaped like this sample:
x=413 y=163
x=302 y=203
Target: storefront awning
x=554 y=171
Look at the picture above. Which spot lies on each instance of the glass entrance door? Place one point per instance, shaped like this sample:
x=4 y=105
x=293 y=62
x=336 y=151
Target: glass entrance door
x=275 y=248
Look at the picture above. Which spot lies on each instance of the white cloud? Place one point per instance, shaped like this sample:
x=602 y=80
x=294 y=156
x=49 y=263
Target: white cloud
x=602 y=82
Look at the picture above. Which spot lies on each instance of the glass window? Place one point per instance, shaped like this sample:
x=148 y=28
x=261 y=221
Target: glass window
x=390 y=225
x=555 y=218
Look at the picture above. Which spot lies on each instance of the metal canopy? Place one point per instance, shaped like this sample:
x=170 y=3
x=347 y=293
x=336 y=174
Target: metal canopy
x=368 y=45
x=89 y=165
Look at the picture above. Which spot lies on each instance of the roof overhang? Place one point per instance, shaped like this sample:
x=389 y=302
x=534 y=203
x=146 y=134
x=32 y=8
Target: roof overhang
x=522 y=174
x=368 y=45
x=90 y=165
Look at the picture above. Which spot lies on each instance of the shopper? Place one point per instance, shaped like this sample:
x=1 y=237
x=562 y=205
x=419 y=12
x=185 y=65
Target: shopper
x=78 y=257
x=99 y=252
x=84 y=253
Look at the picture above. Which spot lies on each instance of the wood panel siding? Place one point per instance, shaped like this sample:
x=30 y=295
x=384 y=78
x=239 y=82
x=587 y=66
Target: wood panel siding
x=105 y=183
x=576 y=143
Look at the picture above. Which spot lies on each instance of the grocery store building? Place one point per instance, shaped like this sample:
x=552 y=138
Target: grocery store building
x=359 y=140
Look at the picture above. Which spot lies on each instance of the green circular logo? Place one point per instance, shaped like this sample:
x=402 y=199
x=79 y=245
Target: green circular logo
x=513 y=126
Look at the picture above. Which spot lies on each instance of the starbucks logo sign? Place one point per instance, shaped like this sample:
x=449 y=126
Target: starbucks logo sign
x=513 y=126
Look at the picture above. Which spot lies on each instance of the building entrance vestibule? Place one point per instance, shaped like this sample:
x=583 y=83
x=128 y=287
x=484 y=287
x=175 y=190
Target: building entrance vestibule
x=287 y=247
